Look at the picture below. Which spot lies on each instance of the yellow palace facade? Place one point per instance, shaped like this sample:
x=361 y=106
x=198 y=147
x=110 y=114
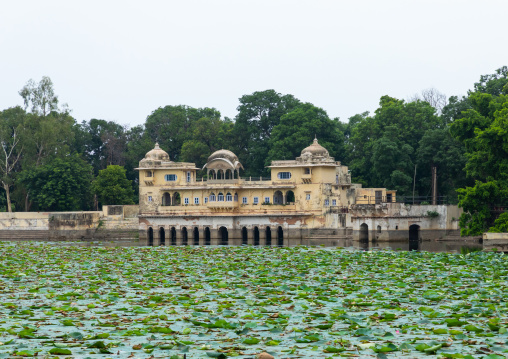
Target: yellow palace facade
x=305 y=198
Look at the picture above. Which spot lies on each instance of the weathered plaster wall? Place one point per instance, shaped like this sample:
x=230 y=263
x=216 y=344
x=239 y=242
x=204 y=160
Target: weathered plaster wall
x=495 y=241
x=394 y=220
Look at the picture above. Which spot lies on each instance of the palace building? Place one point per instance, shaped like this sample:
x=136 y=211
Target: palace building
x=305 y=198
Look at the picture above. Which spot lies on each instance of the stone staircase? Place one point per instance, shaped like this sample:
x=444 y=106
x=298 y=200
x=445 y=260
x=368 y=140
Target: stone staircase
x=24 y=235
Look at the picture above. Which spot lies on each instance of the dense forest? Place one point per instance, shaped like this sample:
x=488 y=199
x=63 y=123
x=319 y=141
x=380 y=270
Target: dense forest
x=49 y=161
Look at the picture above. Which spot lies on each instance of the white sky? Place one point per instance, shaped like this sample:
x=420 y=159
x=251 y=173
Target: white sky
x=120 y=60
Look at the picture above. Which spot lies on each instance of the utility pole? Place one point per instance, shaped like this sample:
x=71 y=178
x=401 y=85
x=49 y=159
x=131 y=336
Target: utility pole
x=414 y=185
x=434 y=185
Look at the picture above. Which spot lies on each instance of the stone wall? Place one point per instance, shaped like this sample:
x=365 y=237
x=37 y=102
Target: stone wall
x=122 y=224
x=495 y=241
x=392 y=221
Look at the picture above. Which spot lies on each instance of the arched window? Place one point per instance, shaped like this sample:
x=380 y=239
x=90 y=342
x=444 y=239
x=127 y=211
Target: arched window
x=236 y=197
x=284 y=175
x=290 y=197
x=212 y=197
x=220 y=197
x=378 y=229
x=176 y=199
x=166 y=199
x=229 y=197
x=277 y=197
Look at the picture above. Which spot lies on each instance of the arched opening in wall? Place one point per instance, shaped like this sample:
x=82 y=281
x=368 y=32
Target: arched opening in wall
x=414 y=232
x=166 y=199
x=364 y=232
x=280 y=237
x=150 y=236
x=176 y=199
x=277 y=197
x=223 y=234
x=268 y=232
x=245 y=240
x=207 y=236
x=173 y=236
x=290 y=197
x=256 y=236
x=196 y=236
x=229 y=197
x=378 y=229
x=185 y=238
x=162 y=236
x=220 y=197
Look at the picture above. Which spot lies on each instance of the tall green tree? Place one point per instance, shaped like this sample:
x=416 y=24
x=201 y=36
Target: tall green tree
x=483 y=130
x=171 y=126
x=395 y=125
x=207 y=136
x=297 y=129
x=64 y=184
x=112 y=186
x=258 y=114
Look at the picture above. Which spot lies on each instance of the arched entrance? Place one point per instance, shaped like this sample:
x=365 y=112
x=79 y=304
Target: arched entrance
x=150 y=236
x=196 y=236
x=277 y=197
x=268 y=232
x=414 y=232
x=207 y=236
x=245 y=240
x=256 y=236
x=290 y=197
x=185 y=238
x=364 y=232
x=173 y=236
x=162 y=236
x=223 y=234
x=280 y=237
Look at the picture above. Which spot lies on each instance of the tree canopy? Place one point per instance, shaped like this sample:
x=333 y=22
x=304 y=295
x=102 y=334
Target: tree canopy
x=463 y=137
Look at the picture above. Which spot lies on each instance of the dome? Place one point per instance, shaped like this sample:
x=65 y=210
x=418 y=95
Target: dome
x=157 y=154
x=223 y=159
x=316 y=150
x=224 y=154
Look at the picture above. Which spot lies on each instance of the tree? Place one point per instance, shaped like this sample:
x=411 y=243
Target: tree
x=112 y=186
x=433 y=97
x=207 y=136
x=171 y=126
x=297 y=129
x=401 y=126
x=258 y=114
x=40 y=97
x=439 y=149
x=64 y=184
x=12 y=129
x=483 y=130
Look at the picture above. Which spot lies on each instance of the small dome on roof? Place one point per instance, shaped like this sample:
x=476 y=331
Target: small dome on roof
x=157 y=154
x=316 y=150
x=226 y=154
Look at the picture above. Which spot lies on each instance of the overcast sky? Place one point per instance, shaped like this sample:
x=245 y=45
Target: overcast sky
x=121 y=60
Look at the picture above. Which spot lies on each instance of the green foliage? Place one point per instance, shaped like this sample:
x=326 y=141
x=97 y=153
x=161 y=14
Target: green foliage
x=258 y=114
x=61 y=185
x=112 y=186
x=500 y=224
x=293 y=302
x=172 y=126
x=432 y=214
x=296 y=130
x=483 y=132
x=382 y=149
